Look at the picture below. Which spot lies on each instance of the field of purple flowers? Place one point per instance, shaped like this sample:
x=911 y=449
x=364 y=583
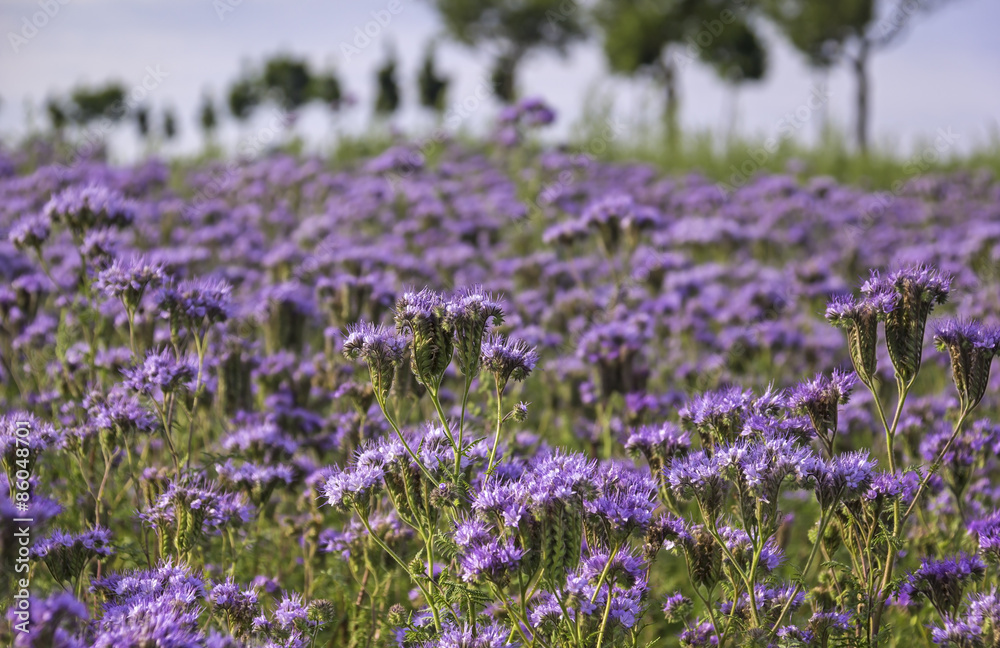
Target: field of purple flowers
x=488 y=397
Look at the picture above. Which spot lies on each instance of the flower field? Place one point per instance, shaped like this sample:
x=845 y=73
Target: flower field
x=490 y=396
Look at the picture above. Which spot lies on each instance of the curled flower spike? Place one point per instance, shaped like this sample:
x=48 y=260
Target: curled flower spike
x=507 y=359
x=918 y=290
x=942 y=582
x=346 y=489
x=819 y=398
x=860 y=318
x=381 y=349
x=195 y=304
x=423 y=315
x=470 y=313
x=67 y=554
x=128 y=279
x=31 y=232
x=971 y=347
x=160 y=369
x=84 y=208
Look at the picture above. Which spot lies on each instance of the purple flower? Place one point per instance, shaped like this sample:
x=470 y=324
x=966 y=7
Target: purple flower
x=971 y=347
x=699 y=635
x=195 y=304
x=159 y=370
x=918 y=290
x=676 y=607
x=381 y=349
x=87 y=207
x=155 y=607
x=355 y=486
x=241 y=605
x=488 y=634
x=492 y=559
x=987 y=532
x=624 y=501
x=957 y=633
x=52 y=621
x=819 y=398
x=128 y=279
x=423 y=316
x=508 y=359
x=845 y=478
x=658 y=444
x=470 y=313
x=120 y=412
x=943 y=582
x=31 y=231
x=292 y=613
x=860 y=318
x=697 y=476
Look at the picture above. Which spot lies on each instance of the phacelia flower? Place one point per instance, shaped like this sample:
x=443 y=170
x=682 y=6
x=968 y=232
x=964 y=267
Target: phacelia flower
x=971 y=347
x=381 y=349
x=918 y=290
x=860 y=318
x=508 y=359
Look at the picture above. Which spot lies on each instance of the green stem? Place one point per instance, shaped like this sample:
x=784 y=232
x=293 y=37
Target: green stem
x=824 y=520
x=399 y=561
x=461 y=428
x=496 y=435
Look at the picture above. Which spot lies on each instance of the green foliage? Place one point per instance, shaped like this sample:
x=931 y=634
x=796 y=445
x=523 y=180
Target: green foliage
x=289 y=80
x=433 y=87
x=820 y=29
x=243 y=97
x=89 y=104
x=57 y=114
x=514 y=28
x=326 y=88
x=737 y=55
x=636 y=32
x=169 y=124
x=142 y=121
x=206 y=115
x=387 y=100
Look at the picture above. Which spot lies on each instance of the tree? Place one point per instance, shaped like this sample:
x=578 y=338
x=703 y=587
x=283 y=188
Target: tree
x=656 y=39
x=207 y=117
x=288 y=80
x=387 y=100
x=243 y=97
x=514 y=28
x=57 y=113
x=169 y=124
x=828 y=33
x=89 y=104
x=327 y=89
x=142 y=121
x=433 y=87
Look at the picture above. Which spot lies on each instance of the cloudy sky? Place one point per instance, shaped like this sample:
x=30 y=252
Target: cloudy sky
x=943 y=76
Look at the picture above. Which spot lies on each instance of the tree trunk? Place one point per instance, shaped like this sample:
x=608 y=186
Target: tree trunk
x=669 y=73
x=861 y=99
x=504 y=77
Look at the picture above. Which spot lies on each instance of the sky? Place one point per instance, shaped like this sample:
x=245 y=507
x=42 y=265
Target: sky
x=941 y=80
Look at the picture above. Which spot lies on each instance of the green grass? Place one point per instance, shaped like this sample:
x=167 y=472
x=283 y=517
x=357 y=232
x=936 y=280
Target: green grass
x=733 y=159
